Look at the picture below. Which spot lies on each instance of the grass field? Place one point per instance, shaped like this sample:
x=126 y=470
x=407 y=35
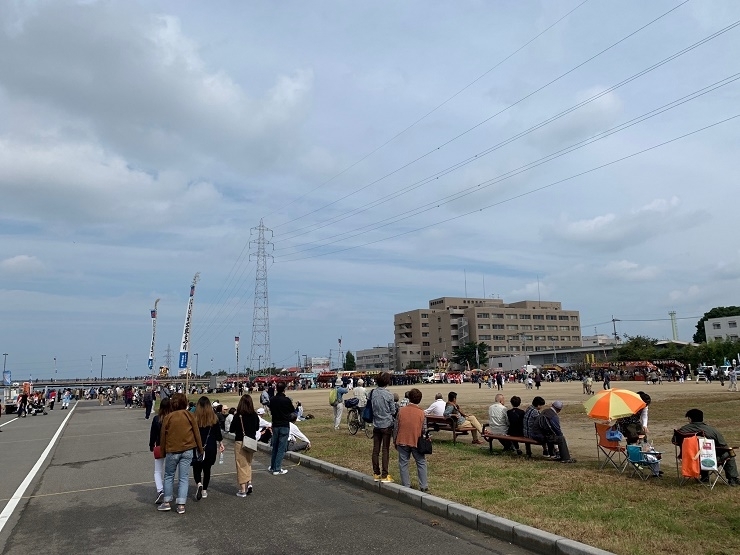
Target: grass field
x=602 y=508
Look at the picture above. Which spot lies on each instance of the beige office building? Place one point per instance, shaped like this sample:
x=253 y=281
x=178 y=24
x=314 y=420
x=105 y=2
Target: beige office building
x=514 y=328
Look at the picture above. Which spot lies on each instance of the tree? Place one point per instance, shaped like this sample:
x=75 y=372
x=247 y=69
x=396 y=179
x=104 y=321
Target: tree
x=465 y=355
x=349 y=362
x=637 y=348
x=207 y=374
x=717 y=312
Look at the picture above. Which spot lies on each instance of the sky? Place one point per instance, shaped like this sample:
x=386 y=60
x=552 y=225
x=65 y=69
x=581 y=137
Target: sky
x=397 y=152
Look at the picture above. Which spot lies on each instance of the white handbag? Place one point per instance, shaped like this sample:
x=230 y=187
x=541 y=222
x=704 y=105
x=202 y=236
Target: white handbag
x=248 y=443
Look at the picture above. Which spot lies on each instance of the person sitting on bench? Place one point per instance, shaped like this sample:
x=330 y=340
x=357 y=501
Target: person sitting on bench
x=453 y=410
x=498 y=420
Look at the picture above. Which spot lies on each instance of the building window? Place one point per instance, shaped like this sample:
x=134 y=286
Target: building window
x=539 y=327
x=499 y=349
x=425 y=315
x=552 y=328
x=733 y=338
x=564 y=338
x=425 y=324
x=499 y=316
x=425 y=334
x=512 y=327
x=525 y=316
x=731 y=324
x=563 y=318
x=426 y=353
x=718 y=338
x=716 y=326
x=539 y=337
x=574 y=328
x=538 y=317
x=527 y=338
x=526 y=327
x=499 y=338
x=484 y=326
x=425 y=344
x=483 y=315
x=552 y=337
x=484 y=338
x=511 y=316
x=551 y=317
x=514 y=348
x=498 y=326
x=564 y=328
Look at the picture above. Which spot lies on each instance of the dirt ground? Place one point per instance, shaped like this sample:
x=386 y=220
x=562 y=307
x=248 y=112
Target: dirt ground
x=579 y=429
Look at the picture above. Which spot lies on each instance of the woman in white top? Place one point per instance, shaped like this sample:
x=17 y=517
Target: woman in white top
x=360 y=393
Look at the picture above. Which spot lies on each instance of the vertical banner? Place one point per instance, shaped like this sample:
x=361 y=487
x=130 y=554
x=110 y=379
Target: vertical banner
x=236 y=348
x=185 y=344
x=6 y=378
x=154 y=334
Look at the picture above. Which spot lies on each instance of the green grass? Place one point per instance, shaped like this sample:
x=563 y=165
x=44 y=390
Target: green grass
x=602 y=508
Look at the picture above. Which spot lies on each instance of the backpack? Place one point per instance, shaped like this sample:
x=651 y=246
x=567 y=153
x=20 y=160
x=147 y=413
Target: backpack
x=367 y=412
x=265 y=397
x=333 y=397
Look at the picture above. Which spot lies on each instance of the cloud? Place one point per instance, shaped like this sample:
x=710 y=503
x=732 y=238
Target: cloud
x=614 y=232
x=690 y=293
x=629 y=271
x=21 y=265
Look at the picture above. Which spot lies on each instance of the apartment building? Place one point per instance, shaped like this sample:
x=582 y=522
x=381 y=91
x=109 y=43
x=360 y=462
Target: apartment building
x=377 y=358
x=722 y=328
x=507 y=328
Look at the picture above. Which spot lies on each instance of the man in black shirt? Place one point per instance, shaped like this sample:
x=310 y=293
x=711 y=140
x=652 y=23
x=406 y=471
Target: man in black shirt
x=281 y=407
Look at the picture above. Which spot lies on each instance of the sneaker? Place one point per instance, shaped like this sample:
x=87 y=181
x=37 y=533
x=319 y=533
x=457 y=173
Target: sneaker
x=376 y=477
x=249 y=488
x=181 y=509
x=160 y=498
x=241 y=493
x=199 y=492
x=205 y=494
x=269 y=469
x=424 y=490
x=387 y=479
x=280 y=472
x=164 y=507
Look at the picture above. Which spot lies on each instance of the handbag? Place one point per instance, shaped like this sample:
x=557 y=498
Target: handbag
x=424 y=445
x=200 y=457
x=158 y=452
x=367 y=412
x=249 y=444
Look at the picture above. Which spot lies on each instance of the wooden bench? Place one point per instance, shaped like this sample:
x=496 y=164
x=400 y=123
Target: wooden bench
x=437 y=423
x=528 y=441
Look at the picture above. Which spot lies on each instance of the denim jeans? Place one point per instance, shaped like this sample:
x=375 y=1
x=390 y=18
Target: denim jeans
x=179 y=462
x=404 y=453
x=279 y=446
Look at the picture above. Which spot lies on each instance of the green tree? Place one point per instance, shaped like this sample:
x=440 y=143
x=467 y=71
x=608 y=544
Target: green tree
x=717 y=312
x=466 y=354
x=637 y=348
x=207 y=374
x=349 y=362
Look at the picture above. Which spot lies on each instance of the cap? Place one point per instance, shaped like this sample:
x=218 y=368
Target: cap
x=557 y=405
x=338 y=382
x=360 y=382
x=260 y=411
x=215 y=403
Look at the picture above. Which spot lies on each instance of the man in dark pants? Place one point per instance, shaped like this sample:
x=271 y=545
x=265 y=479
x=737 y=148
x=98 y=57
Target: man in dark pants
x=281 y=408
x=148 y=402
x=697 y=425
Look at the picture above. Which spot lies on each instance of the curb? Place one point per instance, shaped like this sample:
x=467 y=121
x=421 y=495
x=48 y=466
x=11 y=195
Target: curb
x=504 y=529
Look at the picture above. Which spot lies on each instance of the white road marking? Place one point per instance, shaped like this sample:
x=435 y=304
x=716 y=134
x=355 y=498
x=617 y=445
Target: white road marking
x=8 y=422
x=18 y=495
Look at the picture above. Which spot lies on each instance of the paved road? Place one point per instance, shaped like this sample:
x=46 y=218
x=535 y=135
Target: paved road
x=96 y=494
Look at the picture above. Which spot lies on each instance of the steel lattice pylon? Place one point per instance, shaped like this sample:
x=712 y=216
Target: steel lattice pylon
x=260 y=353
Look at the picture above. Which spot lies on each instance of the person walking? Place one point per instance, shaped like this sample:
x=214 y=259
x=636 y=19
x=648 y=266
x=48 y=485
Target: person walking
x=733 y=379
x=212 y=440
x=607 y=380
x=148 y=402
x=179 y=438
x=281 y=408
x=411 y=425
x=384 y=414
x=338 y=405
x=244 y=423
x=154 y=434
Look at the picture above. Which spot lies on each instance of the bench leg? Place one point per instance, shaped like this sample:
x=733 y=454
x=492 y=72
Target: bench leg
x=529 y=450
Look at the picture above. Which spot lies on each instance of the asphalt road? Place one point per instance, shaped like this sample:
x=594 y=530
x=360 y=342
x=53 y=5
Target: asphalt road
x=95 y=494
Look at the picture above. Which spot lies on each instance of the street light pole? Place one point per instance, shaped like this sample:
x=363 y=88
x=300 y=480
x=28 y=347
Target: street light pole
x=196 y=365
x=102 y=361
x=5 y=360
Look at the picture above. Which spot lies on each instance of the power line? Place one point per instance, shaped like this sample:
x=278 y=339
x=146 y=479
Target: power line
x=526 y=193
x=526 y=167
x=522 y=99
x=480 y=155
x=429 y=113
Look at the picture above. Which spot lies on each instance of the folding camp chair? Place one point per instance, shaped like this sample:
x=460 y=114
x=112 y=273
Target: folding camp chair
x=612 y=451
x=687 y=461
x=638 y=461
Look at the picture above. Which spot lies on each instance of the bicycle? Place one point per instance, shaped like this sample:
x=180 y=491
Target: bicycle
x=354 y=419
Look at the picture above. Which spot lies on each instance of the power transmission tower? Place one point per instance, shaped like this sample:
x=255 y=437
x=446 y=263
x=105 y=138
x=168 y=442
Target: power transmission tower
x=168 y=357
x=261 y=318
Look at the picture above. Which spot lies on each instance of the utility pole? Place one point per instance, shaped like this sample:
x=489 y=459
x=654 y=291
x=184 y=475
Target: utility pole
x=102 y=362
x=196 y=365
x=168 y=356
x=674 y=325
x=614 y=324
x=5 y=361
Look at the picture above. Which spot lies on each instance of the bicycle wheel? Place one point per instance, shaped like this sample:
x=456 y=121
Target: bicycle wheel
x=368 y=429
x=353 y=421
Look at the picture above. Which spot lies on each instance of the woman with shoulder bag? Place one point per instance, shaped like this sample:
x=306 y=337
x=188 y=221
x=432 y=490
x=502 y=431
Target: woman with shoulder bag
x=154 y=433
x=180 y=437
x=410 y=427
x=245 y=423
x=212 y=439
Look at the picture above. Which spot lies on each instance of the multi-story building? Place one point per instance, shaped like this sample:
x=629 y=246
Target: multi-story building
x=598 y=340
x=513 y=328
x=375 y=359
x=722 y=328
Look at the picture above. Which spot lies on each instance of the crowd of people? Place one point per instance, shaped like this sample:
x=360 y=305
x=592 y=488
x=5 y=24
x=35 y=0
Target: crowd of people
x=185 y=435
